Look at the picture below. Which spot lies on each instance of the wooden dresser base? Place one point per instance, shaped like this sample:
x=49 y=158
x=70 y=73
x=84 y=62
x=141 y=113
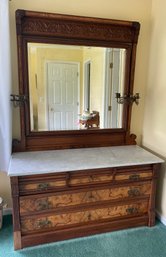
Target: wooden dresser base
x=59 y=206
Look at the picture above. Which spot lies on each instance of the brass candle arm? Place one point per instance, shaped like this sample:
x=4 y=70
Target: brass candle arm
x=129 y=99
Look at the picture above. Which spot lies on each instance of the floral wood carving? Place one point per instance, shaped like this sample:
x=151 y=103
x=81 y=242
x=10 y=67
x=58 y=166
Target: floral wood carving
x=83 y=28
x=75 y=30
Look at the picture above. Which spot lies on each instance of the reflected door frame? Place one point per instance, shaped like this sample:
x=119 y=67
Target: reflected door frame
x=77 y=105
x=113 y=84
x=86 y=83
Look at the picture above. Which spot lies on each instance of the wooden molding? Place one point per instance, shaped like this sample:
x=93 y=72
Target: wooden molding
x=70 y=26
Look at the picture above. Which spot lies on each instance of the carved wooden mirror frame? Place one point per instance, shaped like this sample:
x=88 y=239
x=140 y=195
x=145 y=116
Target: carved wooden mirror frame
x=73 y=30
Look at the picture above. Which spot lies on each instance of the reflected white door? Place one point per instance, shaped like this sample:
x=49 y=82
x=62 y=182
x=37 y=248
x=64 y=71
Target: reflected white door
x=63 y=95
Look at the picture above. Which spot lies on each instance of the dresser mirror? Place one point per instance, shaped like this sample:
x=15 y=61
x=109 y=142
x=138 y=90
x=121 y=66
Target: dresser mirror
x=65 y=81
x=70 y=69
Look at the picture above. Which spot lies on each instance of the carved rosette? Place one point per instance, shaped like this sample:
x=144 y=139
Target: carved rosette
x=131 y=139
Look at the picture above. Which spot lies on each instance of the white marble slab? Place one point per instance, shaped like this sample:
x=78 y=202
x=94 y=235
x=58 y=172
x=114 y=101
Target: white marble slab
x=41 y=162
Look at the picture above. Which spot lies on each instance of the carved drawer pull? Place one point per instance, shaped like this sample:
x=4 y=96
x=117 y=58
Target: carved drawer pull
x=134 y=192
x=91 y=196
x=91 y=177
x=132 y=210
x=43 y=205
x=134 y=177
x=43 y=186
x=44 y=223
x=89 y=216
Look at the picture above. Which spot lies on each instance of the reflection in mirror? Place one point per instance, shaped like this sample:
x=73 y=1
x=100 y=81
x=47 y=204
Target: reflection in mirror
x=73 y=87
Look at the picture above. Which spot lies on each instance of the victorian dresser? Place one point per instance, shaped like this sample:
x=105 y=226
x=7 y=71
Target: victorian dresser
x=64 y=194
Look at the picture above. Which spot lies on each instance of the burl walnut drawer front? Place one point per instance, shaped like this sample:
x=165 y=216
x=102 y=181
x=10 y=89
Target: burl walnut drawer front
x=39 y=184
x=58 y=221
x=41 y=203
x=88 y=178
x=131 y=176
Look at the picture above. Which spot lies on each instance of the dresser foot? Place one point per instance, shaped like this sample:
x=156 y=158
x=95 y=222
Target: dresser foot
x=17 y=240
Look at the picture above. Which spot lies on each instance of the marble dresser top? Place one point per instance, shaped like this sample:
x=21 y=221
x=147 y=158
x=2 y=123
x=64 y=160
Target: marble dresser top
x=41 y=162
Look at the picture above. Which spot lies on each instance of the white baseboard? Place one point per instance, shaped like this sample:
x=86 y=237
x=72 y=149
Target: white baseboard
x=7 y=211
x=161 y=218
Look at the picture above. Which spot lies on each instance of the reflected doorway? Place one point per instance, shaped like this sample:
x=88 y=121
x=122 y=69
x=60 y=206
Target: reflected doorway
x=62 y=95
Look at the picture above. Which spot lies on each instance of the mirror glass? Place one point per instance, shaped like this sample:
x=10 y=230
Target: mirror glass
x=73 y=87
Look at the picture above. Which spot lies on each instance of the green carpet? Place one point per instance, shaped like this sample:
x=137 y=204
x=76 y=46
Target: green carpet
x=139 y=242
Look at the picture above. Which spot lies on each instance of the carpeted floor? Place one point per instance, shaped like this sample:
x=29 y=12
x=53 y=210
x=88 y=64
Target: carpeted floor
x=139 y=242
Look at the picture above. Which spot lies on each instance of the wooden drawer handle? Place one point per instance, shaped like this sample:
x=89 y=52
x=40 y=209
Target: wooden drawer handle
x=91 y=196
x=134 y=177
x=132 y=210
x=43 y=186
x=43 y=205
x=89 y=216
x=43 y=223
x=134 y=192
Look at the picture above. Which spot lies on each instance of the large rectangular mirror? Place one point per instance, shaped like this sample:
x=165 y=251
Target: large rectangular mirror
x=74 y=87
x=70 y=68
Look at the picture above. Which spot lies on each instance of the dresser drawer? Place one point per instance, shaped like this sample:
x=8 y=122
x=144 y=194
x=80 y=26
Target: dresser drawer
x=42 y=183
x=54 y=201
x=62 y=220
x=91 y=177
x=132 y=175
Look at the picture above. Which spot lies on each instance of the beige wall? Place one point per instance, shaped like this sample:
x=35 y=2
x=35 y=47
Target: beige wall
x=154 y=126
x=122 y=9
x=5 y=192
